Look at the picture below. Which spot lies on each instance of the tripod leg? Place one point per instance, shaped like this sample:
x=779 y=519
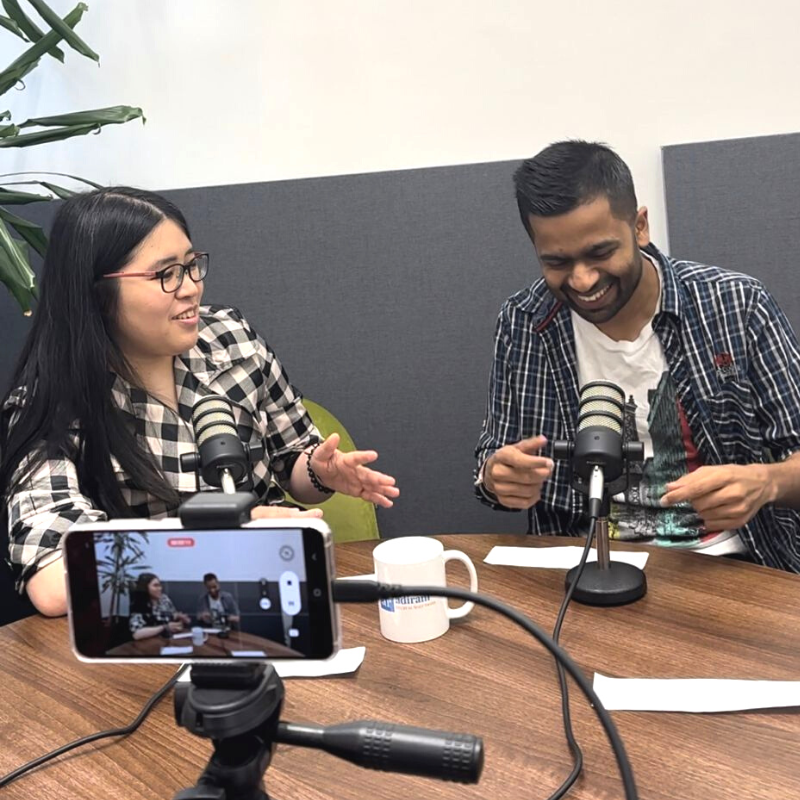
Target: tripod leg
x=235 y=771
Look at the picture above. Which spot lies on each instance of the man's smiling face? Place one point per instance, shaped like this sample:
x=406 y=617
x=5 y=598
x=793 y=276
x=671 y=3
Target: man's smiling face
x=590 y=259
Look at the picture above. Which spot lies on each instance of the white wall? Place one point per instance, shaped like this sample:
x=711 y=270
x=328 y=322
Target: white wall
x=255 y=90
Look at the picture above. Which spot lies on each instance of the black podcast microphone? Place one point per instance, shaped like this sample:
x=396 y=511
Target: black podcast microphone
x=600 y=460
x=396 y=748
x=598 y=456
x=223 y=460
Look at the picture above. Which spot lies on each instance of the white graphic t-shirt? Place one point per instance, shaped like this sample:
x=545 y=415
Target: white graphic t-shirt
x=653 y=416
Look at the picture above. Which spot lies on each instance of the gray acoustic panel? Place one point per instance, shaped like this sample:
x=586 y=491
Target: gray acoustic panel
x=736 y=204
x=14 y=330
x=379 y=293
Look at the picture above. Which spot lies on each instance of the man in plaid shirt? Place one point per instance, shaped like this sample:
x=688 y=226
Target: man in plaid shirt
x=706 y=358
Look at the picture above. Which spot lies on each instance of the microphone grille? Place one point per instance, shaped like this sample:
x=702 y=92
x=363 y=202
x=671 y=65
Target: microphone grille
x=212 y=416
x=593 y=420
x=601 y=404
x=603 y=390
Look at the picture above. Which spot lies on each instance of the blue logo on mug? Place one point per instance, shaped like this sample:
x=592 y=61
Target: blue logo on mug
x=388 y=604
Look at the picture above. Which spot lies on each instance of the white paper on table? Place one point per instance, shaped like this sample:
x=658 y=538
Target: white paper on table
x=701 y=695
x=343 y=663
x=370 y=577
x=176 y=651
x=557 y=557
x=189 y=635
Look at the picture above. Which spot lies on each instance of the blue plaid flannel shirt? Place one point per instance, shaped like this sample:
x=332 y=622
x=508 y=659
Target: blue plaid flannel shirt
x=735 y=361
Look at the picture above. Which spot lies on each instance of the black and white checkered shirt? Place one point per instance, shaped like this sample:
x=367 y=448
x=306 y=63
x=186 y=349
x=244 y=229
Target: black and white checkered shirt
x=160 y=612
x=229 y=359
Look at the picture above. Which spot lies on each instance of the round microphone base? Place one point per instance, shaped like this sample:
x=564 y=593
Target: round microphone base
x=615 y=585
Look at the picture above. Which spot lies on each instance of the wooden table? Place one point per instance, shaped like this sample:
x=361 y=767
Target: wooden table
x=702 y=617
x=214 y=646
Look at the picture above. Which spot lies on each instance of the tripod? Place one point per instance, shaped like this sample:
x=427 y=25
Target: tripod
x=237 y=706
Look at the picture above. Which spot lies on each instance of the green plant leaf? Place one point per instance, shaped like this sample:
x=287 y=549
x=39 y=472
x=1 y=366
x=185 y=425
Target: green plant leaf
x=30 y=58
x=9 y=197
x=59 y=174
x=5 y=115
x=50 y=135
x=28 y=26
x=59 y=25
x=31 y=233
x=18 y=255
x=15 y=272
x=11 y=76
x=115 y=115
x=12 y=26
x=8 y=130
x=59 y=191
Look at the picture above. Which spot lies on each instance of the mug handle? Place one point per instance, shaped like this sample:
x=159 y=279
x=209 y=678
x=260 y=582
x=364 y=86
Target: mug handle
x=464 y=608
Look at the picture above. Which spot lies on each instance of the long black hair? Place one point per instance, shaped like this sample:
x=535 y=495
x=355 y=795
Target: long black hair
x=141 y=602
x=67 y=366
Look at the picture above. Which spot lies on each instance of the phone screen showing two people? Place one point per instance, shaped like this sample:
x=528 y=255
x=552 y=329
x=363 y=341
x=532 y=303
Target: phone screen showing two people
x=204 y=594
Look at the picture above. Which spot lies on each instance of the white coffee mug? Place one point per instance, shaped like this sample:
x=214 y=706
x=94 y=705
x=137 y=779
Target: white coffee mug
x=198 y=636
x=418 y=561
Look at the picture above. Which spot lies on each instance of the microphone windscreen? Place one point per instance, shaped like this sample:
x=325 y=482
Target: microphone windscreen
x=601 y=404
x=212 y=416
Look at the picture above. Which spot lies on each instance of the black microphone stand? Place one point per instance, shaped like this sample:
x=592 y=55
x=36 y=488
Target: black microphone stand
x=605 y=582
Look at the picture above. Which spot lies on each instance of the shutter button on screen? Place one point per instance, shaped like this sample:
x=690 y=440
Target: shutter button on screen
x=289 y=585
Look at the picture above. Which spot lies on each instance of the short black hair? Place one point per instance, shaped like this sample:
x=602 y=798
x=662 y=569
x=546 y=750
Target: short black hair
x=570 y=173
x=209 y=576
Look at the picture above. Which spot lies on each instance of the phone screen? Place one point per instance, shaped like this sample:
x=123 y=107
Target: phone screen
x=244 y=593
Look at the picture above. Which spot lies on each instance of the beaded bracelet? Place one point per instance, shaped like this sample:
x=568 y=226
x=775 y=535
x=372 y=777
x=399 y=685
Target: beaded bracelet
x=312 y=476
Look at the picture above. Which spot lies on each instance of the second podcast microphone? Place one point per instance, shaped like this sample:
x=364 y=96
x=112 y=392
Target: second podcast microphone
x=598 y=453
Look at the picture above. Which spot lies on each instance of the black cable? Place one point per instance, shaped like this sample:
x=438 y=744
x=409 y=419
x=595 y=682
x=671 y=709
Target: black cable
x=354 y=591
x=367 y=591
x=577 y=753
x=124 y=731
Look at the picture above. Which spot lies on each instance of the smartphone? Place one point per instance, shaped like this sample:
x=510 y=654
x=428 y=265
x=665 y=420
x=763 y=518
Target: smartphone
x=143 y=590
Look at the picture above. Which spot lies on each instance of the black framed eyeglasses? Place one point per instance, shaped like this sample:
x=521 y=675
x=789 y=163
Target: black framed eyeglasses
x=171 y=276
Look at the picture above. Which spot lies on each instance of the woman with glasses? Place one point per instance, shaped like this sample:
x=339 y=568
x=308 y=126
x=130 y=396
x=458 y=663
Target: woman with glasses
x=152 y=612
x=119 y=352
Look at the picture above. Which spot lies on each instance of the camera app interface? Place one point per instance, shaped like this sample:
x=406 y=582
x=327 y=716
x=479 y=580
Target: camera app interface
x=195 y=594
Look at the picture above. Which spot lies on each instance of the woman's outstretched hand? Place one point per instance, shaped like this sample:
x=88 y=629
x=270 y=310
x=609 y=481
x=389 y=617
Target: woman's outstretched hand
x=347 y=473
